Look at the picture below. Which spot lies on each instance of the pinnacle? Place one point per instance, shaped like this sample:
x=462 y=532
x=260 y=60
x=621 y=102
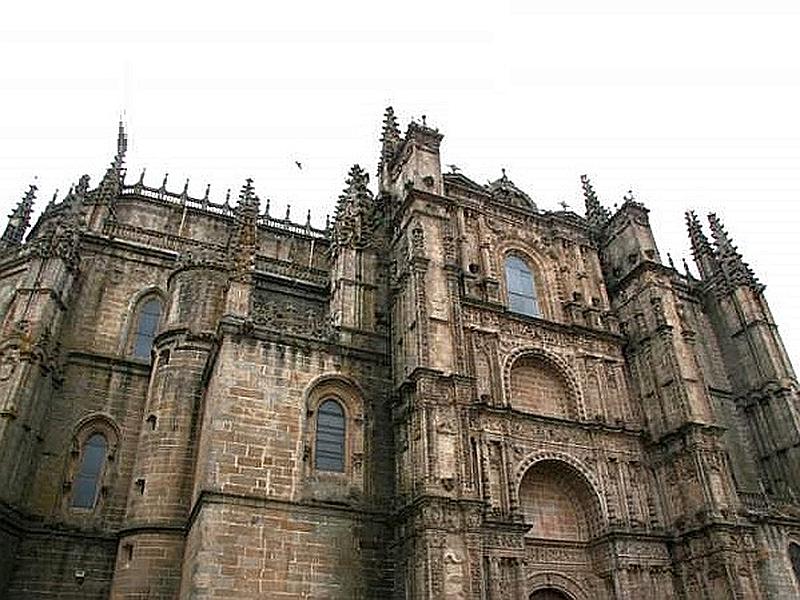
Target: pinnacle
x=721 y=238
x=247 y=197
x=596 y=213
x=698 y=239
x=20 y=218
x=122 y=144
x=391 y=130
x=588 y=189
x=731 y=261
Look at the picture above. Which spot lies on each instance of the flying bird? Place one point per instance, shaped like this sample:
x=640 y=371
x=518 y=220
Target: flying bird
x=299 y=164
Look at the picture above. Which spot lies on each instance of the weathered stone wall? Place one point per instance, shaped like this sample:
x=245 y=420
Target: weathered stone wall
x=68 y=565
x=253 y=549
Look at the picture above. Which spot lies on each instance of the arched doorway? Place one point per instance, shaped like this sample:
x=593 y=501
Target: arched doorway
x=565 y=514
x=549 y=594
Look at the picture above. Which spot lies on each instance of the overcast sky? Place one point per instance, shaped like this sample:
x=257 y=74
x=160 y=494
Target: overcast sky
x=694 y=105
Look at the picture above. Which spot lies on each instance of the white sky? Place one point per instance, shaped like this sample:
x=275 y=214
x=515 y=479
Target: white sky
x=691 y=105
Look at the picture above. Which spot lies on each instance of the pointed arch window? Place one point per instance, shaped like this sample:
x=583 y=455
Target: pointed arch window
x=521 y=287
x=329 y=443
x=147 y=320
x=86 y=484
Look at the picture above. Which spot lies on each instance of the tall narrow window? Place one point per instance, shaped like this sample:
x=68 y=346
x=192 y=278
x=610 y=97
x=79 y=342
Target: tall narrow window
x=794 y=555
x=521 y=289
x=329 y=447
x=146 y=325
x=87 y=481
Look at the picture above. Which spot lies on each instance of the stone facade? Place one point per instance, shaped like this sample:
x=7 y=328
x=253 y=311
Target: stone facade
x=200 y=400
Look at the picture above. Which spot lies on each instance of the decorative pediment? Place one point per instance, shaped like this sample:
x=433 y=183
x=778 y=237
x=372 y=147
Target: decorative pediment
x=503 y=190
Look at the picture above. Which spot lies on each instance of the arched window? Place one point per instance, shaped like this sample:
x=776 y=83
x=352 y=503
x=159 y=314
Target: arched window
x=329 y=445
x=87 y=480
x=146 y=326
x=794 y=555
x=521 y=288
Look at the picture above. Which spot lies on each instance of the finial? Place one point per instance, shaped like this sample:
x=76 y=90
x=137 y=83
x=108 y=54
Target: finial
x=424 y=121
x=83 y=186
x=629 y=197
x=308 y=218
x=54 y=199
x=228 y=197
x=141 y=177
x=266 y=208
x=669 y=259
x=164 y=183
x=686 y=267
x=503 y=170
x=327 y=222
x=186 y=187
x=288 y=210
x=208 y=191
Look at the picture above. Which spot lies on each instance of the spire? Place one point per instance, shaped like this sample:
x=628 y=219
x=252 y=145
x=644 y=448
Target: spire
x=733 y=266
x=701 y=249
x=111 y=183
x=390 y=138
x=122 y=145
x=357 y=216
x=19 y=220
x=596 y=213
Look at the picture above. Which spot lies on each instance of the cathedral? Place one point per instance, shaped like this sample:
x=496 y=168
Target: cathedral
x=446 y=393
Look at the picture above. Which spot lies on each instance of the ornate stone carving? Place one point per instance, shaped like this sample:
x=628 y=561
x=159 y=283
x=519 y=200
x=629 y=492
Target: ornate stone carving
x=301 y=318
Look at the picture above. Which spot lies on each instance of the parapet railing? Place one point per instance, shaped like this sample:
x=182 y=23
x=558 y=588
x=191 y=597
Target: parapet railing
x=293 y=228
x=183 y=198
x=225 y=210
